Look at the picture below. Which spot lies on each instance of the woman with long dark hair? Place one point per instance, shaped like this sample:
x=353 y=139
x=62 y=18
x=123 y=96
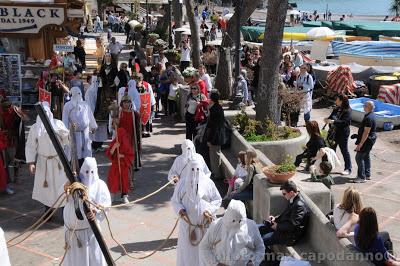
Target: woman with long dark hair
x=339 y=121
x=372 y=242
x=315 y=143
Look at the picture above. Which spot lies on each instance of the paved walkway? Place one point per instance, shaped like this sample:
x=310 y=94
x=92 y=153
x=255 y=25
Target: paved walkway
x=382 y=191
x=142 y=227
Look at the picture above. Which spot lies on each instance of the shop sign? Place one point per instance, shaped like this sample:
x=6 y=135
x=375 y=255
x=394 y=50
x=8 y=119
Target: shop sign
x=75 y=13
x=63 y=48
x=27 y=19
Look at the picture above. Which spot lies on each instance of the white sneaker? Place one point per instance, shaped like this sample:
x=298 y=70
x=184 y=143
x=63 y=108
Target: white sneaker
x=359 y=180
x=125 y=199
x=346 y=172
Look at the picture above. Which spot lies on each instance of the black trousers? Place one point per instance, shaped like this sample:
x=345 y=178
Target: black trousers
x=190 y=126
x=164 y=102
x=184 y=65
x=343 y=144
x=172 y=107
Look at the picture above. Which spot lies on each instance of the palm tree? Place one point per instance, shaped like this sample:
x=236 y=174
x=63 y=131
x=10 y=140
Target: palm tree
x=267 y=98
x=395 y=7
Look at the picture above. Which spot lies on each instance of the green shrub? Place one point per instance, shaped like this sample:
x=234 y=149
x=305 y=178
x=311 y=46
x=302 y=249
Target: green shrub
x=286 y=166
x=256 y=131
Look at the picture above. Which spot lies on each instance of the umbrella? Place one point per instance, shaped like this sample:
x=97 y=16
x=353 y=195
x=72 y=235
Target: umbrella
x=228 y=16
x=293 y=12
x=183 y=28
x=320 y=32
x=186 y=32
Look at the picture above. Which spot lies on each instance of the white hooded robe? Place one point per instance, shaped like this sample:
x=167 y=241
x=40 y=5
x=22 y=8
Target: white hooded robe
x=180 y=167
x=78 y=111
x=100 y=135
x=39 y=149
x=195 y=194
x=89 y=252
x=232 y=240
x=4 y=259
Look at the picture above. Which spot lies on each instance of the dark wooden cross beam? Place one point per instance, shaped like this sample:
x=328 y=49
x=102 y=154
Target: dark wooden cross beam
x=72 y=178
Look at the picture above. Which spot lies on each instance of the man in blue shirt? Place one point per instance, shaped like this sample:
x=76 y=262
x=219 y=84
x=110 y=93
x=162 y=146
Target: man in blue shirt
x=111 y=21
x=366 y=138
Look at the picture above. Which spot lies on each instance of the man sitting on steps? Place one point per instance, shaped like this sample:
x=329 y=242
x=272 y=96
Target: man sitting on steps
x=290 y=226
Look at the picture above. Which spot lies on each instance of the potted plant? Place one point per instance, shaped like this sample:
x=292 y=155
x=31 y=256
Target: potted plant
x=173 y=56
x=153 y=37
x=160 y=45
x=188 y=74
x=279 y=174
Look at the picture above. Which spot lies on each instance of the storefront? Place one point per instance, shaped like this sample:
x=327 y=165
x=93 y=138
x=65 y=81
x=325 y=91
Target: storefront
x=28 y=32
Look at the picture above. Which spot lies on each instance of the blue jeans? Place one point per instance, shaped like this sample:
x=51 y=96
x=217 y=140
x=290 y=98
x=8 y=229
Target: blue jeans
x=245 y=195
x=344 y=149
x=268 y=239
x=364 y=165
x=307 y=116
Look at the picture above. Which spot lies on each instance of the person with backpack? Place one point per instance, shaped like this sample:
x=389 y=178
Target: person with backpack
x=305 y=83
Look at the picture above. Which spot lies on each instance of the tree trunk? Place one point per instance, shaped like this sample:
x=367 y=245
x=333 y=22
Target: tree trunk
x=177 y=14
x=222 y=84
x=267 y=98
x=195 y=37
x=163 y=24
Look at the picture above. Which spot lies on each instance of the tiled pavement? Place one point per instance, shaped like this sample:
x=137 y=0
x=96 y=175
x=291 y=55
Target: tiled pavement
x=142 y=227
x=382 y=192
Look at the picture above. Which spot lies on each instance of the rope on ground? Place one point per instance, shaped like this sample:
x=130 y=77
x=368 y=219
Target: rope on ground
x=39 y=223
x=143 y=257
x=134 y=201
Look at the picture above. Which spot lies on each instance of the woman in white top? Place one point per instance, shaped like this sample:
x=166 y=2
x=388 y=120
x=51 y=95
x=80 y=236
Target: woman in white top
x=239 y=175
x=345 y=215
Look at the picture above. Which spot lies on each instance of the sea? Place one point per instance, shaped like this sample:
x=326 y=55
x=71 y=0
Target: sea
x=346 y=7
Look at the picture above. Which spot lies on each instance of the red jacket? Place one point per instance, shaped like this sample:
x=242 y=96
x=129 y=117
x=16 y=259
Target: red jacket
x=203 y=88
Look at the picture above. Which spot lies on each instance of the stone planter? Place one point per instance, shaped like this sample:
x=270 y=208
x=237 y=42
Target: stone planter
x=275 y=177
x=277 y=150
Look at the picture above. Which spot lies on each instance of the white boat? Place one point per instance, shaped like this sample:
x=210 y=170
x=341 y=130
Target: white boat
x=369 y=60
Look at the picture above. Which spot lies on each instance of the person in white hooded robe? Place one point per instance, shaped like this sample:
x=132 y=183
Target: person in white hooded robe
x=180 y=167
x=83 y=249
x=78 y=116
x=195 y=198
x=4 y=259
x=232 y=240
x=100 y=135
x=43 y=160
x=132 y=92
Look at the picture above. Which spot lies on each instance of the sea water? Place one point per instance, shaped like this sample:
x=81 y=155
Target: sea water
x=346 y=7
